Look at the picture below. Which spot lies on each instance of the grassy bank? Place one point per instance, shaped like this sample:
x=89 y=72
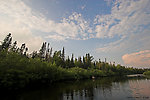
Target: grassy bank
x=147 y=73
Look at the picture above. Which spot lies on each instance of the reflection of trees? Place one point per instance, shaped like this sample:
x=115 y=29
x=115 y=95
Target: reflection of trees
x=74 y=90
x=85 y=89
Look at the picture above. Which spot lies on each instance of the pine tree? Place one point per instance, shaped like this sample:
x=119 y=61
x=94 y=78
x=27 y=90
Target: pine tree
x=42 y=51
x=105 y=60
x=63 y=54
x=34 y=54
x=80 y=62
x=7 y=42
x=84 y=63
x=23 y=46
x=26 y=50
x=47 y=53
x=88 y=60
x=72 y=61
x=51 y=50
x=67 y=62
x=14 y=47
x=50 y=55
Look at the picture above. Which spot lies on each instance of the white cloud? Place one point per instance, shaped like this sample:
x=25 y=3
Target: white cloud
x=130 y=20
x=133 y=42
x=19 y=19
x=56 y=37
x=17 y=13
x=16 y=17
x=127 y=17
x=138 y=59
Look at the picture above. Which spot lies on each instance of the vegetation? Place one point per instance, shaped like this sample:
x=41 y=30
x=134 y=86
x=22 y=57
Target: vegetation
x=19 y=68
x=147 y=73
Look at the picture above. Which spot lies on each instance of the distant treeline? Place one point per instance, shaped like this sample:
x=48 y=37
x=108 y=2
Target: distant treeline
x=19 y=68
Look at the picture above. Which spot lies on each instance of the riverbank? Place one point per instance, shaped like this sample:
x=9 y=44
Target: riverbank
x=18 y=71
x=37 y=72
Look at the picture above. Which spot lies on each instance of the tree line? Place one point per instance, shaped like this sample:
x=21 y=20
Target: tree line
x=17 y=66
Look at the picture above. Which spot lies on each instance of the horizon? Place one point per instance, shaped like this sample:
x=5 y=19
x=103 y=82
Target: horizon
x=114 y=29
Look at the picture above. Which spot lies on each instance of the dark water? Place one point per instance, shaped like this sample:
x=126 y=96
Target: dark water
x=114 y=88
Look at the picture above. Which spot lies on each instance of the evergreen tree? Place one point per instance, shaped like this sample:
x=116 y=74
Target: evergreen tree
x=88 y=60
x=42 y=51
x=105 y=60
x=14 y=47
x=26 y=50
x=51 y=52
x=7 y=42
x=57 y=58
x=47 y=53
x=63 y=54
x=72 y=61
x=84 y=63
x=23 y=46
x=76 y=62
x=67 y=62
x=50 y=55
x=34 y=54
x=80 y=62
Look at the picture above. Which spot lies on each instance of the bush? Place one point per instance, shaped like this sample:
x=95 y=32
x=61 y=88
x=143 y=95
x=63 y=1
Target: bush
x=13 y=78
x=147 y=73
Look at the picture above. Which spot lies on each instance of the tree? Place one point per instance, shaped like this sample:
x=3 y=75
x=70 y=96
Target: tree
x=79 y=64
x=47 y=53
x=34 y=54
x=14 y=47
x=57 y=58
x=42 y=51
x=76 y=62
x=50 y=55
x=84 y=63
x=63 y=54
x=67 y=62
x=88 y=60
x=51 y=52
x=105 y=60
x=72 y=61
x=26 y=50
x=23 y=46
x=7 y=42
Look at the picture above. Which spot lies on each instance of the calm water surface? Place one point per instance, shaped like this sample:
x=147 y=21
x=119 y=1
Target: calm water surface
x=114 y=88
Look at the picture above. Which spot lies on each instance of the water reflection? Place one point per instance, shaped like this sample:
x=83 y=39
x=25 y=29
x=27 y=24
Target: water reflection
x=114 y=88
x=140 y=89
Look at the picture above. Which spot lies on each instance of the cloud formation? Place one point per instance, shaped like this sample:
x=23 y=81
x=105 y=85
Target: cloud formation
x=19 y=19
x=127 y=17
x=129 y=20
x=138 y=59
x=128 y=26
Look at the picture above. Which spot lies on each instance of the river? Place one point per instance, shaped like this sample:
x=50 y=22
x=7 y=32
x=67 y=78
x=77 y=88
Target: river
x=107 y=88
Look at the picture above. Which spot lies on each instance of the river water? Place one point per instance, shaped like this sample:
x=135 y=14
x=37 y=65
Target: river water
x=112 y=88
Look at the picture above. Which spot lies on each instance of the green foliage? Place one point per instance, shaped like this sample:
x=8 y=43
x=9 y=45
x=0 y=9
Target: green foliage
x=17 y=69
x=147 y=73
x=13 y=78
x=7 y=42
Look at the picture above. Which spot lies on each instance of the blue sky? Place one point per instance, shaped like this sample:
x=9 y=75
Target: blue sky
x=118 y=30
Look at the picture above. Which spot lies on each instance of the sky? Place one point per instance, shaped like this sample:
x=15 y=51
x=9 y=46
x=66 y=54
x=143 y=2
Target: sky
x=118 y=30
